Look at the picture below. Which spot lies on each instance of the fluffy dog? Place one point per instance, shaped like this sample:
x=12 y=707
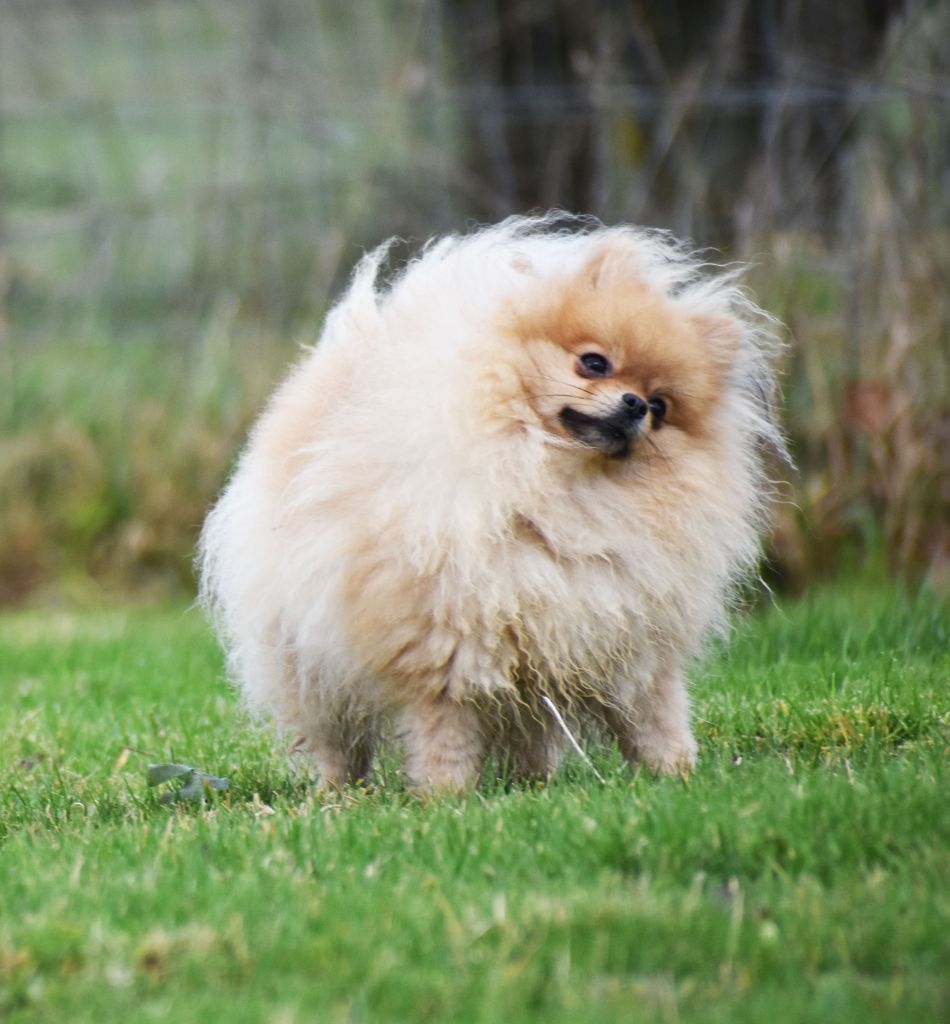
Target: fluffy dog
x=527 y=469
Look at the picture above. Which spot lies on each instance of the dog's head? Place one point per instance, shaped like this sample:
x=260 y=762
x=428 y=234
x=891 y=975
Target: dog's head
x=606 y=360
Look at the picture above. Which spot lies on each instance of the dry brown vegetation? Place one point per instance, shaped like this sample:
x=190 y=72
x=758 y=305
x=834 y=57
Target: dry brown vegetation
x=184 y=185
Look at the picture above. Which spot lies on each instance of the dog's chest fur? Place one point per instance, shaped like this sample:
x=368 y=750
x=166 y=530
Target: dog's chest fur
x=525 y=610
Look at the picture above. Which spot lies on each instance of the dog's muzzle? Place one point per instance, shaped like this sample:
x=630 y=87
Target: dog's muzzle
x=612 y=434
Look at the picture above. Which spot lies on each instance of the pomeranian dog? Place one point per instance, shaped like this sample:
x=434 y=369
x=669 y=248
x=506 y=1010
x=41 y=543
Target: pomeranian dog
x=526 y=475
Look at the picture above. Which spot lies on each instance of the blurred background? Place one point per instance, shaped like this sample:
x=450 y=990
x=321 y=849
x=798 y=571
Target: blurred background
x=185 y=184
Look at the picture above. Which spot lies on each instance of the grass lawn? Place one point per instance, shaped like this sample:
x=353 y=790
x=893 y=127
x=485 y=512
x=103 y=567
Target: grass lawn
x=801 y=874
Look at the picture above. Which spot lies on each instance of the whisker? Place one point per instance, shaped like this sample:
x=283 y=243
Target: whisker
x=562 y=383
x=552 y=380
x=656 y=452
x=554 y=394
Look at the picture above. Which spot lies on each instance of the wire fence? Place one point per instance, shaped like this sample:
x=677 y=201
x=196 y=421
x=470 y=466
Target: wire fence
x=207 y=139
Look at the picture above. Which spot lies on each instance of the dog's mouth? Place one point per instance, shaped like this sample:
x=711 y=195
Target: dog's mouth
x=613 y=435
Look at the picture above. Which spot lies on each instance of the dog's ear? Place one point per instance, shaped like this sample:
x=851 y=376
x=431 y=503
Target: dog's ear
x=611 y=263
x=594 y=270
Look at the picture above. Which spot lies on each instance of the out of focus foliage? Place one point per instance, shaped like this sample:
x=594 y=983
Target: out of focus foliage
x=183 y=185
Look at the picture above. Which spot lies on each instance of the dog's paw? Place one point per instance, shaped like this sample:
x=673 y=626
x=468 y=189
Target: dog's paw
x=668 y=757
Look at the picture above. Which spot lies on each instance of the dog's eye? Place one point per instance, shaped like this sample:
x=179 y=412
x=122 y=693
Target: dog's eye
x=657 y=407
x=593 y=364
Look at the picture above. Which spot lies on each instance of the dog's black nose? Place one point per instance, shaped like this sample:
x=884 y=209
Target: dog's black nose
x=636 y=406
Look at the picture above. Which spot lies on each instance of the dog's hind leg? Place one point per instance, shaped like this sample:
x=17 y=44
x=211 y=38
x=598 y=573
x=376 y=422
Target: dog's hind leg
x=532 y=745
x=342 y=749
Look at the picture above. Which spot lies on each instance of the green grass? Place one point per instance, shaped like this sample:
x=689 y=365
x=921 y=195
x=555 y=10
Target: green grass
x=799 y=875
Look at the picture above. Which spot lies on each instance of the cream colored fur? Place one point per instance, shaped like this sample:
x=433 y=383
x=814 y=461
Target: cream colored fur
x=412 y=536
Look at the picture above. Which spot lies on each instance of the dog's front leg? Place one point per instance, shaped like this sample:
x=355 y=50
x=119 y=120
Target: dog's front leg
x=654 y=729
x=444 y=744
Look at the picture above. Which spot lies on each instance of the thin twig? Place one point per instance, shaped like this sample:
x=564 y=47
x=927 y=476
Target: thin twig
x=567 y=732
